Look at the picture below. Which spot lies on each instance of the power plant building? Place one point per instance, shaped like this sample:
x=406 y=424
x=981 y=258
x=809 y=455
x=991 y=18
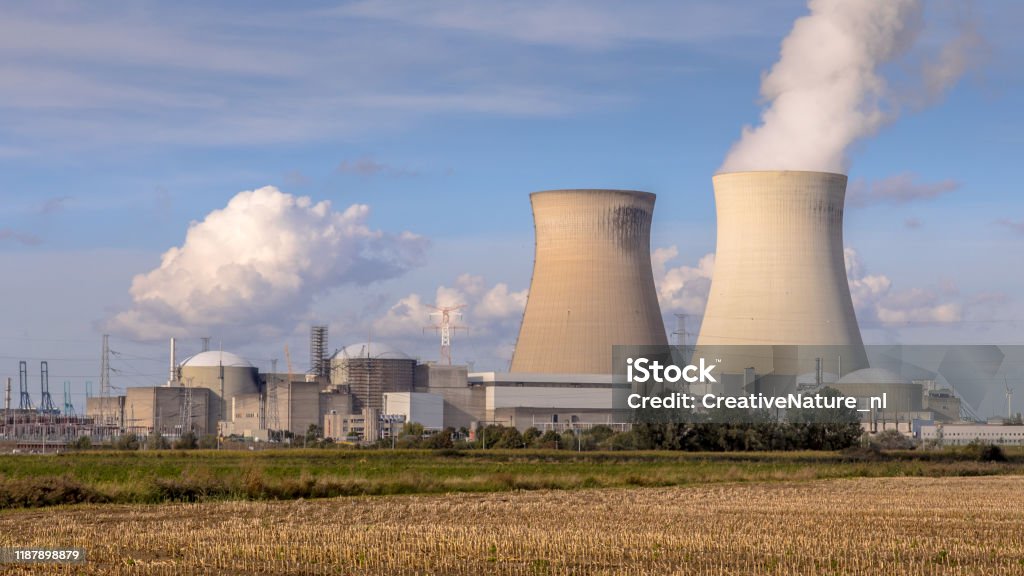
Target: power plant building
x=592 y=287
x=225 y=374
x=371 y=369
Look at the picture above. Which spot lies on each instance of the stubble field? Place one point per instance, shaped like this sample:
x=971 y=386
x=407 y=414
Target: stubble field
x=843 y=526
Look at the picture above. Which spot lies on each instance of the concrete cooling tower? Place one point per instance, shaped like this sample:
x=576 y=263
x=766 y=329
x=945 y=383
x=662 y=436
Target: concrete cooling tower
x=592 y=284
x=780 y=277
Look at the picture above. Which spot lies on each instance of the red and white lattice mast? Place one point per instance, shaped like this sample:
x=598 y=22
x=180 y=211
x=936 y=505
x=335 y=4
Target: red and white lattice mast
x=445 y=328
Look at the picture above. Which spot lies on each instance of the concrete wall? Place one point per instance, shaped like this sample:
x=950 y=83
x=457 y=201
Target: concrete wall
x=463 y=404
x=166 y=409
x=298 y=406
x=592 y=285
x=105 y=411
x=425 y=409
x=780 y=275
x=945 y=406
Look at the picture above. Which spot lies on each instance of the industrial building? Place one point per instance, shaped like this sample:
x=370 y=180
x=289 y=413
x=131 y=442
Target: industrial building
x=969 y=433
x=219 y=392
x=370 y=370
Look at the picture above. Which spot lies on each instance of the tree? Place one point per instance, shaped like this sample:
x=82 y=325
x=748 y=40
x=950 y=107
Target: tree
x=127 y=442
x=441 y=440
x=313 y=434
x=414 y=429
x=548 y=440
x=893 y=440
x=509 y=438
x=82 y=443
x=531 y=435
x=208 y=441
x=156 y=441
x=187 y=441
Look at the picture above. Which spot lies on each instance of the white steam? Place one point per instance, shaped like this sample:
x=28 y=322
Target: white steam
x=826 y=91
x=253 y=268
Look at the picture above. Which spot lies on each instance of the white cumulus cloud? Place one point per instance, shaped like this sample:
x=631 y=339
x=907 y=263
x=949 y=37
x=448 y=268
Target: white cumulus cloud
x=253 y=268
x=683 y=289
x=876 y=302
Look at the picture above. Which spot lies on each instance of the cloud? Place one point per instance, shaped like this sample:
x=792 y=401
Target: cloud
x=251 y=270
x=370 y=167
x=827 y=92
x=492 y=315
x=580 y=24
x=296 y=179
x=877 y=303
x=683 y=289
x=54 y=205
x=79 y=76
x=958 y=55
x=1014 y=225
x=899 y=189
x=23 y=238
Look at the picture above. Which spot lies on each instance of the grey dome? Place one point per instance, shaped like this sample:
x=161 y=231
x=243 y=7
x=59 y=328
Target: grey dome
x=373 y=350
x=873 y=376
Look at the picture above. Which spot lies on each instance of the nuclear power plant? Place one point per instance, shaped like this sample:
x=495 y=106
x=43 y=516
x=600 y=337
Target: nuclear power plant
x=780 y=276
x=779 y=303
x=592 y=284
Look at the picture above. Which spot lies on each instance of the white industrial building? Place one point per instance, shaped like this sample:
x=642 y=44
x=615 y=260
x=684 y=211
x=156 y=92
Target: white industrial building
x=961 y=434
x=416 y=407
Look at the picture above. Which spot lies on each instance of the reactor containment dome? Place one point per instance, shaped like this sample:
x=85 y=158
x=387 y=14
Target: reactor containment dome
x=592 y=285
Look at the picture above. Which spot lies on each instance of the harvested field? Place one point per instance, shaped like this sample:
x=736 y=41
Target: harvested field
x=843 y=526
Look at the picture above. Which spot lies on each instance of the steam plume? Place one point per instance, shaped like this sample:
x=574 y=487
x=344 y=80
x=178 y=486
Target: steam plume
x=826 y=92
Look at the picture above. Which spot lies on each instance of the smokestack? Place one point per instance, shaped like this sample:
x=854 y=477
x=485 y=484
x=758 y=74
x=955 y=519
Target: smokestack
x=780 y=277
x=592 y=284
x=172 y=378
x=7 y=398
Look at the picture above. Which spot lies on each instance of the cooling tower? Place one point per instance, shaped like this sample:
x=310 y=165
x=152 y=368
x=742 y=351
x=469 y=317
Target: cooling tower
x=592 y=284
x=779 y=276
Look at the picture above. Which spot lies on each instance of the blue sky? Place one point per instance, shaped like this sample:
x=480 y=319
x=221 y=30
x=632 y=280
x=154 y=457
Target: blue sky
x=122 y=123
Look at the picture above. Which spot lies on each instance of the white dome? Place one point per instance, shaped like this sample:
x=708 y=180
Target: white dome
x=216 y=358
x=375 y=350
x=873 y=376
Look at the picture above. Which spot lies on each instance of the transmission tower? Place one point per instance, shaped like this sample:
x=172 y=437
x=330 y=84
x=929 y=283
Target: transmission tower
x=25 y=402
x=445 y=328
x=46 y=404
x=104 y=378
x=69 y=407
